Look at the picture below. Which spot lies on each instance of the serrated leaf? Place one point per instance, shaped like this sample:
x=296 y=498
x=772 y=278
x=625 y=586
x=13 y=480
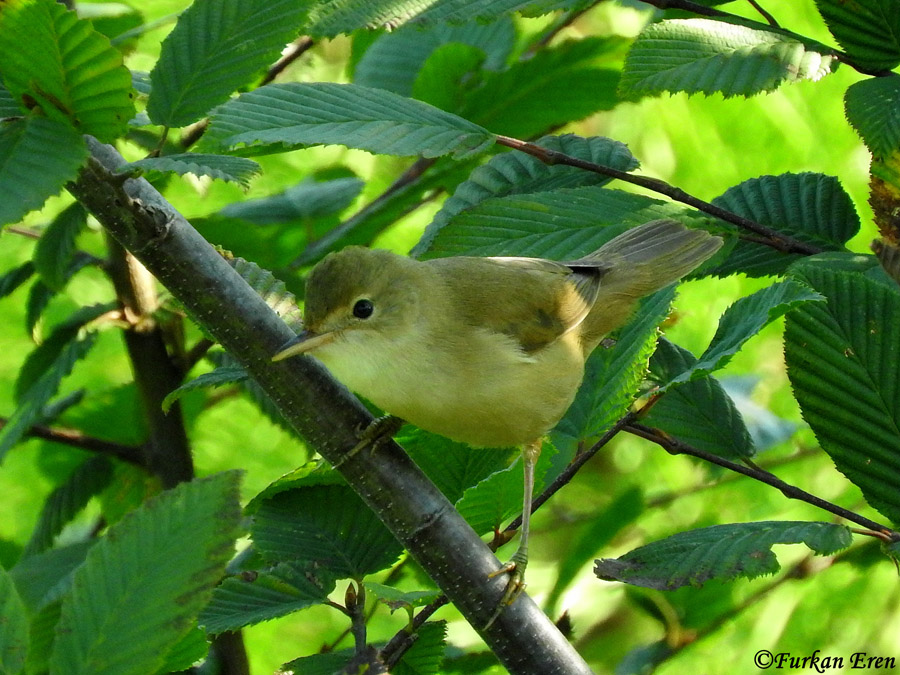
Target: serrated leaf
x=44 y=578
x=215 y=378
x=740 y=322
x=309 y=199
x=873 y=108
x=39 y=297
x=719 y=552
x=425 y=655
x=187 y=651
x=271 y=289
x=514 y=101
x=224 y=167
x=328 y=526
x=28 y=173
x=280 y=117
x=394 y=60
x=811 y=207
x=698 y=412
x=706 y=56
x=215 y=49
x=17 y=276
x=13 y=627
x=515 y=173
x=52 y=58
x=141 y=586
x=318 y=664
x=55 y=250
x=43 y=389
x=253 y=597
x=840 y=359
x=67 y=500
x=869 y=30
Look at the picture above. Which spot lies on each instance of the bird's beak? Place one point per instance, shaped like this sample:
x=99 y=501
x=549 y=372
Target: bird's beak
x=304 y=342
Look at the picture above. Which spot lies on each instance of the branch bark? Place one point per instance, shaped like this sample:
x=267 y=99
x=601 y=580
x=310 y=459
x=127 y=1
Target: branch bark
x=324 y=413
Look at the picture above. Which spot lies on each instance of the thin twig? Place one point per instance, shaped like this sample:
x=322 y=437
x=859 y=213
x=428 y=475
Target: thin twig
x=75 y=439
x=768 y=17
x=293 y=52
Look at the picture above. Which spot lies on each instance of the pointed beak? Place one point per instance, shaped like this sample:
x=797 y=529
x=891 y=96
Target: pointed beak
x=303 y=343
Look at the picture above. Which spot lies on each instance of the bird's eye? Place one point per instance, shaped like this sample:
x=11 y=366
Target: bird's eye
x=363 y=309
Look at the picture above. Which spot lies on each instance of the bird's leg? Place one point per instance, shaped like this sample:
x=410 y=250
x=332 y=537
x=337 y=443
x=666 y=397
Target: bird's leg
x=377 y=432
x=519 y=561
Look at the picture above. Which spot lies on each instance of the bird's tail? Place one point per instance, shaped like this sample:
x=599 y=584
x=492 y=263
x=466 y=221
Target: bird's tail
x=638 y=262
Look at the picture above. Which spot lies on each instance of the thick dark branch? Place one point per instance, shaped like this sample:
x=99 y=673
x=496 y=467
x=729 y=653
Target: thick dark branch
x=324 y=413
x=771 y=237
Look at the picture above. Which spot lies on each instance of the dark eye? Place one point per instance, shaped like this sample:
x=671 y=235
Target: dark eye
x=363 y=309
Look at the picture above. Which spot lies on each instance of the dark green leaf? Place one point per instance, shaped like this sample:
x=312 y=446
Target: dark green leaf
x=327 y=526
x=215 y=378
x=447 y=75
x=395 y=598
x=707 y=56
x=8 y=106
x=141 y=587
x=55 y=250
x=280 y=117
x=59 y=61
x=44 y=578
x=43 y=389
x=319 y=664
x=28 y=173
x=215 y=49
x=840 y=357
x=17 y=276
x=42 y=629
x=187 y=651
x=224 y=167
x=873 y=108
x=698 y=412
x=252 y=597
x=13 y=627
x=308 y=199
x=719 y=552
x=869 y=30
x=810 y=207
x=515 y=173
x=427 y=652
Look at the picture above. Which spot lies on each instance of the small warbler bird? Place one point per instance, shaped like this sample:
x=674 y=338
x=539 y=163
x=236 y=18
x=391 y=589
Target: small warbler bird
x=486 y=351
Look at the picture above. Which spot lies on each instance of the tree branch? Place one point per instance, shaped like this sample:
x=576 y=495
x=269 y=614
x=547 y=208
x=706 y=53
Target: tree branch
x=132 y=454
x=324 y=413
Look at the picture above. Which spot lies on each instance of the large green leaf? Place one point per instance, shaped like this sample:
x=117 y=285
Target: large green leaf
x=873 y=108
x=141 y=587
x=53 y=59
x=8 y=106
x=706 y=56
x=698 y=412
x=28 y=173
x=868 y=29
x=810 y=207
x=259 y=596
x=55 y=250
x=13 y=627
x=841 y=358
x=515 y=173
x=224 y=167
x=307 y=200
x=43 y=578
x=718 y=552
x=216 y=48
x=328 y=526
x=279 y=117
x=39 y=394
x=448 y=76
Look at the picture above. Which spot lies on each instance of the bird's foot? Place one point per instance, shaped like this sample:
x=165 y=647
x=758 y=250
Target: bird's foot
x=376 y=433
x=515 y=568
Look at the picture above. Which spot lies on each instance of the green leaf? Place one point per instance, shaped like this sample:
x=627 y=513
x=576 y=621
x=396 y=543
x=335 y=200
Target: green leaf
x=13 y=627
x=427 y=652
x=42 y=629
x=44 y=578
x=869 y=30
x=141 y=587
x=39 y=297
x=308 y=200
x=706 y=56
x=17 y=276
x=215 y=49
x=740 y=322
x=810 y=207
x=28 y=173
x=698 y=412
x=215 y=378
x=271 y=289
x=253 y=597
x=67 y=500
x=612 y=376
x=840 y=358
x=514 y=101
x=873 y=108
x=43 y=389
x=280 y=117
x=395 y=59
x=187 y=651
x=55 y=250
x=319 y=664
x=325 y=525
x=718 y=552
x=447 y=76
x=8 y=106
x=52 y=58
x=515 y=173
x=224 y=167
x=395 y=598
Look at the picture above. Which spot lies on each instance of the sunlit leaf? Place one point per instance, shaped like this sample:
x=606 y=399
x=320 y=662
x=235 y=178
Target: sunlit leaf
x=224 y=167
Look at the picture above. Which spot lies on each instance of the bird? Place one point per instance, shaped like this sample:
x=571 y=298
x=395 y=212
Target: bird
x=488 y=351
